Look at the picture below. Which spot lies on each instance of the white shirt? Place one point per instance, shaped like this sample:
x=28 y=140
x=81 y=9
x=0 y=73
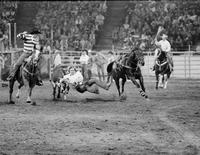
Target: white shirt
x=165 y=45
x=84 y=59
x=72 y=79
x=57 y=60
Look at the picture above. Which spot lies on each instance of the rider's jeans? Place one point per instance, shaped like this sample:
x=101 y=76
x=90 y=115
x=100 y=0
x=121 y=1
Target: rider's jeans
x=20 y=61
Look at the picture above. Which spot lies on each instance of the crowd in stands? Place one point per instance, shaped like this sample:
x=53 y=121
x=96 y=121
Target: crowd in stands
x=74 y=24
x=7 y=15
x=181 y=21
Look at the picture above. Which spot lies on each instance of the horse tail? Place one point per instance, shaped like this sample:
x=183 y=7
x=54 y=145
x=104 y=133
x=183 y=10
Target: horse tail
x=110 y=67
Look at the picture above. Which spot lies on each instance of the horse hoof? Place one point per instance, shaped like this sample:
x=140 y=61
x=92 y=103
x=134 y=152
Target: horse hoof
x=123 y=97
x=28 y=101
x=11 y=102
x=34 y=103
x=65 y=97
x=147 y=98
x=17 y=96
x=54 y=99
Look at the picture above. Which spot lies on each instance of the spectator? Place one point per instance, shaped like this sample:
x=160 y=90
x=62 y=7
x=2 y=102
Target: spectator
x=99 y=19
x=57 y=59
x=1 y=41
x=100 y=60
x=84 y=62
x=90 y=64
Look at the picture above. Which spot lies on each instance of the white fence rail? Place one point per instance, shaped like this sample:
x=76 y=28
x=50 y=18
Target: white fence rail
x=186 y=64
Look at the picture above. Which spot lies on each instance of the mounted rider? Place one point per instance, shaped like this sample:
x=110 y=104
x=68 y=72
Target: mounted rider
x=31 y=45
x=133 y=43
x=163 y=45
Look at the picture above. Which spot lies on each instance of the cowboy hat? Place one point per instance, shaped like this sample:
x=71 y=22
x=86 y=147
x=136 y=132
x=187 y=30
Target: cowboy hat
x=35 y=31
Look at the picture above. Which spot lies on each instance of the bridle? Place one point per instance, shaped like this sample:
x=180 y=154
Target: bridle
x=33 y=65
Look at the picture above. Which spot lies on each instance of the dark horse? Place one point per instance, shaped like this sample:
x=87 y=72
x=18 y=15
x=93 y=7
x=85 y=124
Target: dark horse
x=56 y=75
x=27 y=74
x=128 y=68
x=162 y=68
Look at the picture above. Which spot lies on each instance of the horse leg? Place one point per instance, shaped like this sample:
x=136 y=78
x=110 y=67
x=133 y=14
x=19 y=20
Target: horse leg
x=160 y=84
x=18 y=90
x=166 y=81
x=157 y=80
x=11 y=84
x=142 y=93
x=118 y=86
x=54 y=90
x=29 y=95
x=66 y=92
x=123 y=83
x=58 y=95
x=54 y=93
x=141 y=80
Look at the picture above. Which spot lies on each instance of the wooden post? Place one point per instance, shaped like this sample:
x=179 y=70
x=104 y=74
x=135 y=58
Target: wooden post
x=9 y=30
x=15 y=34
x=50 y=54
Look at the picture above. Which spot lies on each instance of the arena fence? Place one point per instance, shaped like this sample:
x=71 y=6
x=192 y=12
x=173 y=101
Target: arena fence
x=186 y=64
x=6 y=60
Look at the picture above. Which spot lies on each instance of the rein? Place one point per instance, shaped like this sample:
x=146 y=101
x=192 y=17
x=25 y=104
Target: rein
x=26 y=70
x=161 y=63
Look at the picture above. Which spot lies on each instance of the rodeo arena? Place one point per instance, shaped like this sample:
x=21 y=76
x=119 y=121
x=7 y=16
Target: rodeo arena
x=100 y=77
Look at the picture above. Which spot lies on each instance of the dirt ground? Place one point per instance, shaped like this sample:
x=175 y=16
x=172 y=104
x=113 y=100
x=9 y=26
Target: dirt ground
x=169 y=123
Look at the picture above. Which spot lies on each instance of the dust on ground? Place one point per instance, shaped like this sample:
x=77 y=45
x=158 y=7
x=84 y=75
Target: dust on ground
x=169 y=123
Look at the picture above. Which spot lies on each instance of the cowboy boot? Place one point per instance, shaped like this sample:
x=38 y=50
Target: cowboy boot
x=171 y=68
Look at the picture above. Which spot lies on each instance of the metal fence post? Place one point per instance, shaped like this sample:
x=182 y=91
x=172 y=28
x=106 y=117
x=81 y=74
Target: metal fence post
x=15 y=34
x=9 y=31
x=185 y=64
x=189 y=63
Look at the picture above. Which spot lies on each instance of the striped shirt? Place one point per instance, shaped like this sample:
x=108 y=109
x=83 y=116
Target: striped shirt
x=30 y=42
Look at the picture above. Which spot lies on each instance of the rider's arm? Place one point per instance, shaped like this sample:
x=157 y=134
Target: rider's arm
x=157 y=34
x=22 y=35
x=78 y=77
x=168 y=47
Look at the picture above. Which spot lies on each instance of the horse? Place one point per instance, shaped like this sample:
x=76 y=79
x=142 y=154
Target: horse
x=58 y=87
x=129 y=68
x=162 y=68
x=26 y=75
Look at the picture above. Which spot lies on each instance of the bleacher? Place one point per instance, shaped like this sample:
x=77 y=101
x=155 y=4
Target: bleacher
x=181 y=21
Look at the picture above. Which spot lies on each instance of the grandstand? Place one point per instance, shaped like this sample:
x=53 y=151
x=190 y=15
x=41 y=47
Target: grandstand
x=100 y=25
